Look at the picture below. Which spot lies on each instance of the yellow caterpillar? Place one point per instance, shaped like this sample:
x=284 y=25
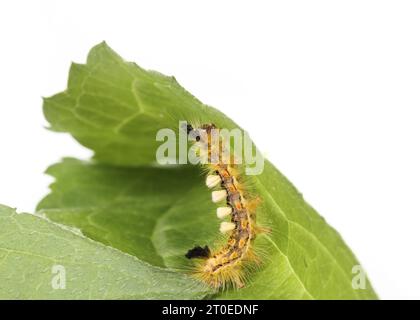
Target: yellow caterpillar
x=229 y=264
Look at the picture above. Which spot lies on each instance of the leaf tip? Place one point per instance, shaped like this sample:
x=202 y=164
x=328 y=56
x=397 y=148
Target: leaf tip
x=100 y=51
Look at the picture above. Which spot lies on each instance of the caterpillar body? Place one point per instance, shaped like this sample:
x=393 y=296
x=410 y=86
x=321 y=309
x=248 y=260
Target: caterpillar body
x=229 y=264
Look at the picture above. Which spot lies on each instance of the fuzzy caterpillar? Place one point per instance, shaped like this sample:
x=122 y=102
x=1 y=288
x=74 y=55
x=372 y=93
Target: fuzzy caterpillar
x=229 y=264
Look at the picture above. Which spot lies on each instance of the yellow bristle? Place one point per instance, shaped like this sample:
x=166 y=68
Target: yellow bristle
x=230 y=264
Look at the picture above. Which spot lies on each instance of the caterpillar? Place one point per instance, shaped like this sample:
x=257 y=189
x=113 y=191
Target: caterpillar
x=229 y=264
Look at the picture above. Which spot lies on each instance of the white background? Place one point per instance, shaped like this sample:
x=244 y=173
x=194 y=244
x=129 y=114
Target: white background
x=329 y=90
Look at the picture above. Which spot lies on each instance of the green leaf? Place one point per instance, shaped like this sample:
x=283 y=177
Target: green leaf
x=151 y=213
x=115 y=108
x=31 y=246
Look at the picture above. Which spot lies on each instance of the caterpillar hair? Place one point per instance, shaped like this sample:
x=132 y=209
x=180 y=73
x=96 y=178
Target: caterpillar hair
x=229 y=264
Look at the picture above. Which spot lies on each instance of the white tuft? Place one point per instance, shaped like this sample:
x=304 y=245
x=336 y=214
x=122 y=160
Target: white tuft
x=212 y=181
x=223 y=212
x=226 y=227
x=217 y=196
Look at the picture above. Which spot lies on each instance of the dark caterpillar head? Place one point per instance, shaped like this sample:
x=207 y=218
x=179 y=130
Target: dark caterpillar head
x=189 y=128
x=198 y=252
x=196 y=133
x=193 y=133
